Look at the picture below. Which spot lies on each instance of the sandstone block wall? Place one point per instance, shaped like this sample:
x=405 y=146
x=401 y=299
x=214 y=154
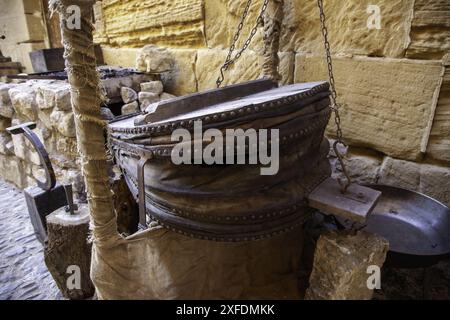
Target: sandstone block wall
x=46 y=102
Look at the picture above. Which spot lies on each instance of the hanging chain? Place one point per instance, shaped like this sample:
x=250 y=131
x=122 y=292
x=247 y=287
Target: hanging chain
x=334 y=104
x=229 y=60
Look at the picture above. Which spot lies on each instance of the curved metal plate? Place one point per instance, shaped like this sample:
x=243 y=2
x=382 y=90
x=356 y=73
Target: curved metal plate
x=413 y=223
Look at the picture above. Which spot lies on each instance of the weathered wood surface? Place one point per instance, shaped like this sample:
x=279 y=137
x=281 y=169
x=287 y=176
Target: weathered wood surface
x=68 y=253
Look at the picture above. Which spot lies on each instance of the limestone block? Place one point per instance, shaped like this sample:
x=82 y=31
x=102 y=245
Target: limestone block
x=4 y=123
x=106 y=114
x=100 y=27
x=286 y=67
x=435 y=182
x=6 y=144
x=22 y=6
x=130 y=107
x=430 y=30
x=166 y=96
x=347 y=27
x=54 y=95
x=363 y=165
x=22 y=54
x=400 y=173
x=222 y=19
x=182 y=79
x=69 y=245
x=6 y=108
x=153 y=59
x=23 y=99
x=209 y=63
x=126 y=206
x=64 y=122
x=341 y=262
x=155 y=87
x=23 y=149
x=439 y=143
x=136 y=23
x=12 y=170
x=149 y=108
x=125 y=57
x=432 y=180
x=31 y=6
x=44 y=118
x=387 y=104
x=128 y=95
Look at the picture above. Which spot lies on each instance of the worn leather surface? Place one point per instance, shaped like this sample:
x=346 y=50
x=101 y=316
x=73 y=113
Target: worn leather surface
x=233 y=202
x=230 y=204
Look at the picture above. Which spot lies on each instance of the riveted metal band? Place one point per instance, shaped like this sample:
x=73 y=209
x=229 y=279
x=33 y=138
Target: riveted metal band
x=234 y=115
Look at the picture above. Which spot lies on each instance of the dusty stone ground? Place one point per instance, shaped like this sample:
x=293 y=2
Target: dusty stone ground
x=23 y=274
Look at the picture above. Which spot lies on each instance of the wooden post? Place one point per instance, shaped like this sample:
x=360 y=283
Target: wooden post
x=68 y=252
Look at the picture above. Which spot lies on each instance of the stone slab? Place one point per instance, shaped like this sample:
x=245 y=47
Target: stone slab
x=341 y=262
x=387 y=104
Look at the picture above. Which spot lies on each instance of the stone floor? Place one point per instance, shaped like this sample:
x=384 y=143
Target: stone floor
x=23 y=274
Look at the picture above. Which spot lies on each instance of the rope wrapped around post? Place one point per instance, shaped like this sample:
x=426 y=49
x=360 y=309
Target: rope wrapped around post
x=273 y=18
x=76 y=23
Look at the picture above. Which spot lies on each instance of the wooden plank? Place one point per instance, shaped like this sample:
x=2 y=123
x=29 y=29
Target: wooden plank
x=356 y=204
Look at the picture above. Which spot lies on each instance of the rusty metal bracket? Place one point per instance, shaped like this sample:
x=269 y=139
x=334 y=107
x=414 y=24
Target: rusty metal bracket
x=26 y=129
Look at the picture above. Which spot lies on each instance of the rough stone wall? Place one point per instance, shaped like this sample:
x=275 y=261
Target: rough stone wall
x=23 y=28
x=46 y=102
x=393 y=82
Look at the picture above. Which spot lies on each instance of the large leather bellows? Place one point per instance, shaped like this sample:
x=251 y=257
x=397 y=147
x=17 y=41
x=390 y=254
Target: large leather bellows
x=227 y=202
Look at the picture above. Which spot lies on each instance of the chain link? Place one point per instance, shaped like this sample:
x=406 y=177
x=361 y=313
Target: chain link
x=231 y=60
x=334 y=104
